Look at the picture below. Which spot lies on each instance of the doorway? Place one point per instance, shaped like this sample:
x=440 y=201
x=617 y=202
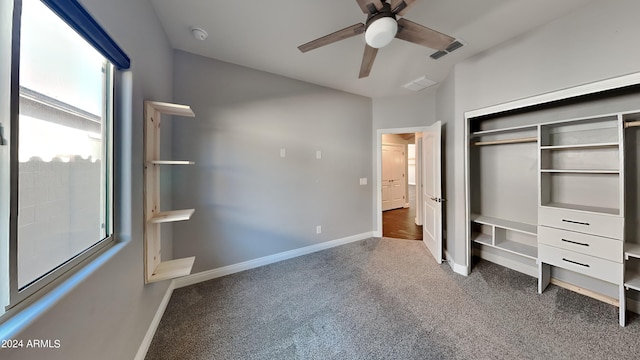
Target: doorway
x=428 y=209
x=398 y=187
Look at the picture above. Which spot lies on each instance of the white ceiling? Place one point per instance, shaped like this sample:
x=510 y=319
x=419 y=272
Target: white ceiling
x=264 y=35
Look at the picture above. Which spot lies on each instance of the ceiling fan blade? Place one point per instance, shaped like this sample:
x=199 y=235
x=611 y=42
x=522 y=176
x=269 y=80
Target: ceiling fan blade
x=367 y=61
x=400 y=7
x=345 y=33
x=370 y=6
x=422 y=35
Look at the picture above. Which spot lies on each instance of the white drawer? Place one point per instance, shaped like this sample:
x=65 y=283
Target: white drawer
x=605 y=248
x=584 y=222
x=584 y=264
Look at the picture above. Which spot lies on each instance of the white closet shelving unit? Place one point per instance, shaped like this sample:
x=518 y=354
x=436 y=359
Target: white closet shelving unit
x=497 y=237
x=580 y=220
x=154 y=268
x=501 y=233
x=581 y=210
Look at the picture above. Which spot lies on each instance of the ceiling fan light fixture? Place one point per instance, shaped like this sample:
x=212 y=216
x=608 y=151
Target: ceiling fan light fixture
x=380 y=32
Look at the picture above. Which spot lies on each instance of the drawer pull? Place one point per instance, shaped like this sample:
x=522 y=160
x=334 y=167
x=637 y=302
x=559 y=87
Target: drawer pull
x=575 y=242
x=575 y=262
x=576 y=222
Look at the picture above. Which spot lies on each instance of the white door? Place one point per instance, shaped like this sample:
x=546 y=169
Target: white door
x=432 y=190
x=393 y=176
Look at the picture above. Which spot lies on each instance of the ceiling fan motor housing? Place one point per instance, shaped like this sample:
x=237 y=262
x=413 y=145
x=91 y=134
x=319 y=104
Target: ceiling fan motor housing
x=381 y=27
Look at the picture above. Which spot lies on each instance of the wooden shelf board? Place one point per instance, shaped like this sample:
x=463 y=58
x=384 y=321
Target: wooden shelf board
x=171 y=109
x=589 y=209
x=172 y=269
x=171 y=216
x=575 y=171
x=505 y=224
x=581 y=146
x=171 y=162
x=504 y=130
x=631 y=250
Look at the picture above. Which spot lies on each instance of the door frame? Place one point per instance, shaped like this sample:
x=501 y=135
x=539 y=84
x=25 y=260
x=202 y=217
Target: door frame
x=378 y=174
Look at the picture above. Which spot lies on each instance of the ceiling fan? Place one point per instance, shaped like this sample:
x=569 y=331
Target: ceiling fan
x=380 y=28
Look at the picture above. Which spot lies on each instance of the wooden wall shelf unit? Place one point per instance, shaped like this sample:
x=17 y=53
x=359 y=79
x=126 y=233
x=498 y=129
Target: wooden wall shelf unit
x=154 y=268
x=577 y=223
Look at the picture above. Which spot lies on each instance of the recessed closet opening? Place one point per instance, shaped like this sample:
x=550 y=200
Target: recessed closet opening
x=552 y=193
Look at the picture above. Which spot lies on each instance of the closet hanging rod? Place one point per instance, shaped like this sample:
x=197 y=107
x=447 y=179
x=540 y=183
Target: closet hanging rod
x=632 y=124
x=506 y=141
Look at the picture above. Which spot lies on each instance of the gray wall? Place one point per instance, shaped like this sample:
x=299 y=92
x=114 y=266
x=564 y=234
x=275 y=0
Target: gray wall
x=249 y=201
x=105 y=314
x=591 y=44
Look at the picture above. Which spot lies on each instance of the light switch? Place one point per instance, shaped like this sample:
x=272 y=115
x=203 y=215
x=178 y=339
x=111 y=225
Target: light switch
x=318 y=154
x=283 y=152
x=363 y=181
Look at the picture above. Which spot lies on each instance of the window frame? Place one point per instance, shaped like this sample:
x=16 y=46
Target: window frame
x=82 y=22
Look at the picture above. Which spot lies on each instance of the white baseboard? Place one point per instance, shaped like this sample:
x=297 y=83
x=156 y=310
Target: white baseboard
x=457 y=268
x=151 y=331
x=250 y=264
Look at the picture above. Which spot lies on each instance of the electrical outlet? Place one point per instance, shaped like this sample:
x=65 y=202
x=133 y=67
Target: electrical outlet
x=363 y=181
x=318 y=229
x=283 y=152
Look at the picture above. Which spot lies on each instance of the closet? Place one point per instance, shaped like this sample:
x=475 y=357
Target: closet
x=551 y=193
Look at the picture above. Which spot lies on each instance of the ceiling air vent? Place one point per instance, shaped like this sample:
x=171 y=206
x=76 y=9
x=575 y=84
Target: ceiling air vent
x=451 y=48
x=418 y=84
x=438 y=54
x=454 y=46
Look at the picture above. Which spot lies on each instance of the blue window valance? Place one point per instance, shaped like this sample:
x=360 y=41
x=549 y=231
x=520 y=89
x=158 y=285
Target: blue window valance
x=78 y=18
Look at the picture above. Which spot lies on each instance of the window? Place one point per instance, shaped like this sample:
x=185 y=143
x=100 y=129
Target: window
x=60 y=148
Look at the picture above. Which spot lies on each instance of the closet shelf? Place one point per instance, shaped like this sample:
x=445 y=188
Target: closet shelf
x=506 y=141
x=480 y=238
x=512 y=247
x=504 y=130
x=632 y=280
x=581 y=146
x=585 y=208
x=172 y=269
x=505 y=224
x=171 y=216
x=631 y=250
x=171 y=162
x=585 y=171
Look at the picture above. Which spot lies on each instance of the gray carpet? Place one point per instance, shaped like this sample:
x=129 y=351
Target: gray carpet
x=386 y=299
